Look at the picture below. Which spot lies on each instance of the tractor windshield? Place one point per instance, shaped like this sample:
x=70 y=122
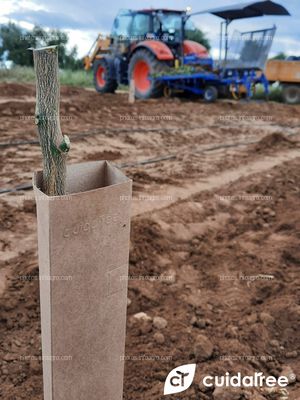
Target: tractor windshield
x=171 y=23
x=122 y=25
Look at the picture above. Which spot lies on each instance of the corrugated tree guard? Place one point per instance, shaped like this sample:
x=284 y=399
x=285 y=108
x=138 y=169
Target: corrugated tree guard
x=54 y=145
x=83 y=221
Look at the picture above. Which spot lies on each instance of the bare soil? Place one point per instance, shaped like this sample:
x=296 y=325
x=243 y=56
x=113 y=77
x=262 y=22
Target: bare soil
x=216 y=224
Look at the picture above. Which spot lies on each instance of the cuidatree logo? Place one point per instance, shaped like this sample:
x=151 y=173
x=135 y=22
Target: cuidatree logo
x=180 y=379
x=86 y=227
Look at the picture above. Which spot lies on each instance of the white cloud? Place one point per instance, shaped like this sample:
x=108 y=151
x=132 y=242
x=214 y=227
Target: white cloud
x=10 y=6
x=84 y=19
x=31 y=5
x=26 y=25
x=7 y=7
x=82 y=39
x=288 y=45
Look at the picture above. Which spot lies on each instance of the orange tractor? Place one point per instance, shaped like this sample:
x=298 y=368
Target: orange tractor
x=143 y=43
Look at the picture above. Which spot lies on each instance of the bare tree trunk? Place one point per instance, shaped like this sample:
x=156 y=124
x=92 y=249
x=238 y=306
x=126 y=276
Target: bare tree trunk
x=54 y=145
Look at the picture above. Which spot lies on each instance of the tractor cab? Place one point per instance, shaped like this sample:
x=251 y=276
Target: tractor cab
x=166 y=26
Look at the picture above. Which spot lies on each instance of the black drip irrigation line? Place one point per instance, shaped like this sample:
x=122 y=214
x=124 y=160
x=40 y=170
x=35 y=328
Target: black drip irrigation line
x=79 y=135
x=28 y=186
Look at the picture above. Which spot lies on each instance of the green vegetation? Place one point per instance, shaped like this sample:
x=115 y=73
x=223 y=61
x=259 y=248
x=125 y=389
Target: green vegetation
x=16 y=41
x=67 y=76
x=14 y=45
x=17 y=74
x=183 y=69
x=76 y=78
x=280 y=56
x=275 y=93
x=198 y=36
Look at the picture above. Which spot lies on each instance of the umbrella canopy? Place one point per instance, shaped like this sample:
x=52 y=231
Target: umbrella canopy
x=248 y=10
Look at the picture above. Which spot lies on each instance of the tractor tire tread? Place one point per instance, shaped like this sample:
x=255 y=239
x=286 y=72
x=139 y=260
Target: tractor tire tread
x=111 y=84
x=156 y=65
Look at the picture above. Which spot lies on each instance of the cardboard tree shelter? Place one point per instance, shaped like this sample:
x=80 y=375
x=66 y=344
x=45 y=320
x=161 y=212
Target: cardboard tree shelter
x=83 y=216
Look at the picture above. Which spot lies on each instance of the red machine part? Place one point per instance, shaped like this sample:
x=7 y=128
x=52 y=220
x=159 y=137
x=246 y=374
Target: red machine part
x=191 y=47
x=140 y=75
x=163 y=53
x=100 y=76
x=159 y=49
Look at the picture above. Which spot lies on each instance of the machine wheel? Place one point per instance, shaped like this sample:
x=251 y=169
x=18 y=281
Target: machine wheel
x=210 y=94
x=140 y=66
x=102 y=77
x=168 y=92
x=291 y=94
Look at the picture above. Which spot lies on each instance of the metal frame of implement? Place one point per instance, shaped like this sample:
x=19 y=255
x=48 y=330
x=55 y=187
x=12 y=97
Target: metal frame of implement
x=197 y=82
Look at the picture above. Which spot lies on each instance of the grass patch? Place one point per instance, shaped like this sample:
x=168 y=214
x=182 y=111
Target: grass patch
x=17 y=74
x=76 y=78
x=274 y=95
x=67 y=77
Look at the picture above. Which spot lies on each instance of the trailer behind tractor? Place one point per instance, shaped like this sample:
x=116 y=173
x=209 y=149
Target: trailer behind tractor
x=287 y=73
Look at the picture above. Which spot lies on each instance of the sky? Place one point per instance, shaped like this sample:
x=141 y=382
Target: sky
x=84 y=19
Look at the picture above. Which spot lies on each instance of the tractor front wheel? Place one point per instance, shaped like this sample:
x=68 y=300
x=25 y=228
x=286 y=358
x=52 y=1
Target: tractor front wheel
x=143 y=64
x=103 y=81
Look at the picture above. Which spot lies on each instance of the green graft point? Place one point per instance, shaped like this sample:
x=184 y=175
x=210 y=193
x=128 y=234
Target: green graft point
x=65 y=145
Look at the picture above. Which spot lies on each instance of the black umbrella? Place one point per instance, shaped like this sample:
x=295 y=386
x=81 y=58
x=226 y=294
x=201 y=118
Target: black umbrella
x=248 y=10
x=243 y=10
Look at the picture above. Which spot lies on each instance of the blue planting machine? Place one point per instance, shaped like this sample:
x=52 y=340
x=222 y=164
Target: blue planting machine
x=241 y=62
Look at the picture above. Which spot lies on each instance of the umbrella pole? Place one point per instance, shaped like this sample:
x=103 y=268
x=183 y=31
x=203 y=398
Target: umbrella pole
x=221 y=43
x=227 y=22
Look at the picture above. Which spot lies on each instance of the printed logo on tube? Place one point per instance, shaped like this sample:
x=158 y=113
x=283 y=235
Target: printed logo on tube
x=180 y=379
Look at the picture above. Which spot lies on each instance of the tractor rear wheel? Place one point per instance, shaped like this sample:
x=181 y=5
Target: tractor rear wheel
x=291 y=94
x=142 y=64
x=103 y=81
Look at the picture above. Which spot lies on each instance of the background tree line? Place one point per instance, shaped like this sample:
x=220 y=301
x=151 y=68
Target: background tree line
x=15 y=41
